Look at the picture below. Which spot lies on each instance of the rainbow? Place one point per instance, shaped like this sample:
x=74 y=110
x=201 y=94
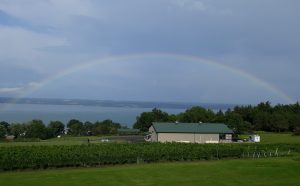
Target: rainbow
x=189 y=58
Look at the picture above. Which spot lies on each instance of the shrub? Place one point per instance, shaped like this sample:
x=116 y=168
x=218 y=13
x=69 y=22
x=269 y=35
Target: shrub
x=297 y=131
x=33 y=157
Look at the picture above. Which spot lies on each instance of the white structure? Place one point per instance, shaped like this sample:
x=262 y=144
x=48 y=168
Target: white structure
x=254 y=138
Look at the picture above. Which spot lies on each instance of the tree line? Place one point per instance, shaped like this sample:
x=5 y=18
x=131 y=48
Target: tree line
x=242 y=119
x=37 y=129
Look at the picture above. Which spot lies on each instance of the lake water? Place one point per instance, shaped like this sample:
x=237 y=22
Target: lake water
x=26 y=112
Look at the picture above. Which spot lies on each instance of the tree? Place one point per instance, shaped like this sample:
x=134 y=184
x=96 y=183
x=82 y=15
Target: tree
x=264 y=107
x=75 y=127
x=294 y=122
x=6 y=126
x=88 y=127
x=36 y=129
x=55 y=128
x=113 y=127
x=262 y=121
x=246 y=112
x=235 y=122
x=196 y=114
x=101 y=128
x=18 y=130
x=297 y=131
x=172 y=118
x=105 y=127
x=144 y=121
x=219 y=117
x=279 y=123
x=2 y=131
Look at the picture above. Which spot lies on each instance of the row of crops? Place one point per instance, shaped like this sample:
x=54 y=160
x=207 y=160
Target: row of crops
x=34 y=157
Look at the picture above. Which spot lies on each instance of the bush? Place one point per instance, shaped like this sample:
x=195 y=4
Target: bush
x=33 y=157
x=297 y=131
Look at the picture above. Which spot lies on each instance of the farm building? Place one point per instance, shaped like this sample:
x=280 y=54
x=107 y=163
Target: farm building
x=189 y=132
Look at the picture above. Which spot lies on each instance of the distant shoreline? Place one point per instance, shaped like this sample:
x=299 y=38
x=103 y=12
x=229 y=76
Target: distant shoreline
x=111 y=103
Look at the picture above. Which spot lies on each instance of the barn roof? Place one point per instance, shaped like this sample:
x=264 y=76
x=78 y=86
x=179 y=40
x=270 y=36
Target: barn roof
x=204 y=128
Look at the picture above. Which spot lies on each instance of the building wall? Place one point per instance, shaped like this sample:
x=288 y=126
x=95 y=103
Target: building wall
x=188 y=137
x=153 y=134
x=207 y=138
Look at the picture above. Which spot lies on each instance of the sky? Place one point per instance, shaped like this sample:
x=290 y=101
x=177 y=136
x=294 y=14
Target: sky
x=233 y=51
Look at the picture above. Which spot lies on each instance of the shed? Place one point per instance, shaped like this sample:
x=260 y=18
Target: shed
x=189 y=132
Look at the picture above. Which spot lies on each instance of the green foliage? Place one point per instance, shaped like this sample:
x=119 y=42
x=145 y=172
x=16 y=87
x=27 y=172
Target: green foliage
x=55 y=128
x=266 y=117
x=219 y=117
x=21 y=157
x=241 y=119
x=36 y=129
x=17 y=129
x=144 y=121
x=234 y=121
x=297 y=131
x=279 y=122
x=105 y=127
x=2 y=131
x=75 y=127
x=5 y=128
x=88 y=127
x=196 y=114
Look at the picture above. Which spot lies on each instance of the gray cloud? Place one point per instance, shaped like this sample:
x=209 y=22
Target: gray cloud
x=259 y=37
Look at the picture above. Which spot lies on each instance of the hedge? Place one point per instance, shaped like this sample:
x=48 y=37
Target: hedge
x=38 y=156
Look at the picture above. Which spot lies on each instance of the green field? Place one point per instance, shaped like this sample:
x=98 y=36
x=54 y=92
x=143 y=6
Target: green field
x=67 y=140
x=270 y=137
x=266 y=137
x=265 y=171
x=271 y=171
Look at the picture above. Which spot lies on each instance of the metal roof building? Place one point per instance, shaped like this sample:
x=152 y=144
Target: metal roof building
x=190 y=132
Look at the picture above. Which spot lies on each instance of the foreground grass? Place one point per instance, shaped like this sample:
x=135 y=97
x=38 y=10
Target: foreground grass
x=271 y=171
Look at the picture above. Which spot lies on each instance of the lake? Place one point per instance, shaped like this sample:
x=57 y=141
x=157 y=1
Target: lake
x=26 y=112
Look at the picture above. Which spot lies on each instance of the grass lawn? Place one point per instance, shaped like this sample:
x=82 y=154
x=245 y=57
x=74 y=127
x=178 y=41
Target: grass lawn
x=279 y=138
x=270 y=137
x=69 y=140
x=272 y=171
x=266 y=137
